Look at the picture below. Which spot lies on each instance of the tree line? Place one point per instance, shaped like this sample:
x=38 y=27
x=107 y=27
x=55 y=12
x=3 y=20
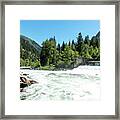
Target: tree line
x=66 y=55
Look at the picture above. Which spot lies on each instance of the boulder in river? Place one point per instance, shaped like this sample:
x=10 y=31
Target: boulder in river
x=25 y=81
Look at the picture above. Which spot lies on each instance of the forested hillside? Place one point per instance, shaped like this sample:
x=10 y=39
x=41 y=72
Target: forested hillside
x=29 y=52
x=52 y=55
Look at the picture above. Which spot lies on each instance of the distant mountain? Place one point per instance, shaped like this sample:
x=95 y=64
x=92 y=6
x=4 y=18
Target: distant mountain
x=29 y=50
x=30 y=42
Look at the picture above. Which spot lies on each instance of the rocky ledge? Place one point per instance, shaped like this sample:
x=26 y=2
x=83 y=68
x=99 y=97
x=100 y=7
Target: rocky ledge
x=25 y=81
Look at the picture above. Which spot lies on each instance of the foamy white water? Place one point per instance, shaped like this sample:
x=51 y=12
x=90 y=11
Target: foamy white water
x=81 y=83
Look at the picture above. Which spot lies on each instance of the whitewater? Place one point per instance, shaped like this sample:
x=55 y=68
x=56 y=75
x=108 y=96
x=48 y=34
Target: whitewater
x=81 y=83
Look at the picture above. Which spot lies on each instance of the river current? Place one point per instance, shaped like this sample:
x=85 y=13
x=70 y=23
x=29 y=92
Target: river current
x=81 y=83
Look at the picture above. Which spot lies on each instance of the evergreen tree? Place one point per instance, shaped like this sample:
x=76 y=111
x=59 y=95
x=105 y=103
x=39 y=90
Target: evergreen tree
x=79 y=43
x=44 y=53
x=79 y=38
x=63 y=46
x=87 y=41
x=69 y=44
x=59 y=48
x=93 y=41
x=98 y=39
x=73 y=45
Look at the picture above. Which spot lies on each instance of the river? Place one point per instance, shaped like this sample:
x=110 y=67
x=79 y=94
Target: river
x=81 y=83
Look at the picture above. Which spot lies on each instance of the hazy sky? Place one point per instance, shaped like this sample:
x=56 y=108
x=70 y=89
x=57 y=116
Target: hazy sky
x=63 y=30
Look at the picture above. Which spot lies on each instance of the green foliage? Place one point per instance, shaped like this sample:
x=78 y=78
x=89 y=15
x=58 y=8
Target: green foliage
x=79 y=43
x=87 y=41
x=48 y=52
x=22 y=62
x=29 y=51
x=49 y=67
x=51 y=56
x=63 y=46
x=73 y=45
x=59 y=48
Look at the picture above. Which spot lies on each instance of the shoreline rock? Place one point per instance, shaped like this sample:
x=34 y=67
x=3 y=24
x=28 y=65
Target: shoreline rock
x=25 y=81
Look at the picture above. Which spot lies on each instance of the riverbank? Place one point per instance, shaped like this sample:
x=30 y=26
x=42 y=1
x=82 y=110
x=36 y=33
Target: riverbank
x=71 y=67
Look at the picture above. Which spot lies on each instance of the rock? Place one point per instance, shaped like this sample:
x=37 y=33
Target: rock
x=22 y=90
x=33 y=81
x=22 y=85
x=25 y=81
x=25 y=74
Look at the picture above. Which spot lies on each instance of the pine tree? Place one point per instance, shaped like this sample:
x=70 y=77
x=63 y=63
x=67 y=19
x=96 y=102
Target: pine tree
x=63 y=46
x=87 y=41
x=79 y=43
x=59 y=48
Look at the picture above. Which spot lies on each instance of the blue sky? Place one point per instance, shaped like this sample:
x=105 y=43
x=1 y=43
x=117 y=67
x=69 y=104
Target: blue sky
x=63 y=30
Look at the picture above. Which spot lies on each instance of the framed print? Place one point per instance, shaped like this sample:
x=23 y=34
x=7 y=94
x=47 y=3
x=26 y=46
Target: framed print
x=60 y=59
